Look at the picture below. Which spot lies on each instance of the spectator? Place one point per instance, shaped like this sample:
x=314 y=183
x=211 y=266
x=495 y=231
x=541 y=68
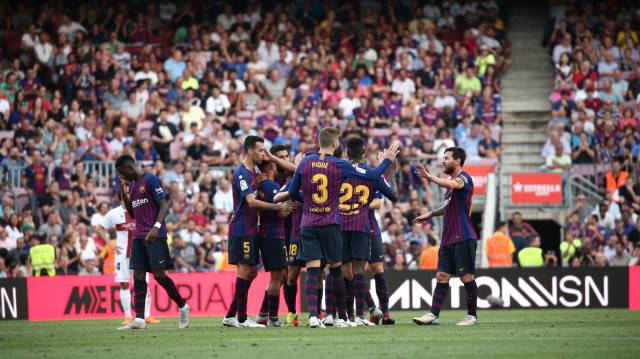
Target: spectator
x=186 y=255
x=42 y=258
x=568 y=247
x=429 y=256
x=190 y=235
x=521 y=232
x=621 y=257
x=52 y=227
x=558 y=162
x=531 y=256
x=500 y=247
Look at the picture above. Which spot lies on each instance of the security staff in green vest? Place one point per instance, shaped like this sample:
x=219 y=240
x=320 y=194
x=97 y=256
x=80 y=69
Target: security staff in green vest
x=43 y=258
x=531 y=256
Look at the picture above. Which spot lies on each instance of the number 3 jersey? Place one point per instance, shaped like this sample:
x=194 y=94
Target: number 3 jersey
x=320 y=177
x=355 y=196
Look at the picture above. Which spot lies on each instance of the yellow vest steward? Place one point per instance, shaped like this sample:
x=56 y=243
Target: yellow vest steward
x=43 y=256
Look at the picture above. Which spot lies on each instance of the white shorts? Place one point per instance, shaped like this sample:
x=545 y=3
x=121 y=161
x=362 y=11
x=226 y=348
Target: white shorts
x=123 y=274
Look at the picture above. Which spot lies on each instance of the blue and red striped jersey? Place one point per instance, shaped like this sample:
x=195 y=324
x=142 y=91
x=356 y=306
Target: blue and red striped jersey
x=271 y=226
x=244 y=221
x=144 y=195
x=373 y=223
x=320 y=176
x=295 y=218
x=457 y=214
x=355 y=196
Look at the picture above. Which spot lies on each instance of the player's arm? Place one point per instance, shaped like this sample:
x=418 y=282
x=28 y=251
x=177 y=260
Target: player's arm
x=389 y=156
x=294 y=188
x=454 y=184
x=435 y=213
x=390 y=189
x=254 y=202
x=160 y=200
x=376 y=203
x=281 y=197
x=282 y=164
x=124 y=197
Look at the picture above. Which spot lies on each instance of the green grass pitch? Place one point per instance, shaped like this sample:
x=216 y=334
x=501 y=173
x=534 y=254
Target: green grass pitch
x=577 y=333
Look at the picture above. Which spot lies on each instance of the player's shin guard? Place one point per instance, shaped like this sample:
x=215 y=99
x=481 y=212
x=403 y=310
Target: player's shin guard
x=329 y=299
x=439 y=295
x=125 y=300
x=312 y=283
x=472 y=297
x=290 y=294
x=139 y=295
x=273 y=306
x=339 y=292
x=242 y=288
x=264 y=307
x=382 y=291
x=359 y=293
x=169 y=286
x=349 y=299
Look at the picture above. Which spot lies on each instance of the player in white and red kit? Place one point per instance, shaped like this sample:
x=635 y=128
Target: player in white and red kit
x=121 y=227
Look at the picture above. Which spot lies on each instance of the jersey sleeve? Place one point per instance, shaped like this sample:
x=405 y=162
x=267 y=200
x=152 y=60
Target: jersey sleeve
x=466 y=181
x=155 y=186
x=294 y=188
x=242 y=183
x=351 y=171
x=270 y=189
x=383 y=188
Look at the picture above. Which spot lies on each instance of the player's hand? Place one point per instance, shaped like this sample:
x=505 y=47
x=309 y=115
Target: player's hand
x=423 y=218
x=298 y=159
x=392 y=152
x=152 y=236
x=288 y=206
x=124 y=189
x=422 y=171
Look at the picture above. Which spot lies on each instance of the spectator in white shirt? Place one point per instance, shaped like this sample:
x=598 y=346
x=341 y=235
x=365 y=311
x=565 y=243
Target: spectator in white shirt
x=348 y=103
x=189 y=234
x=444 y=99
x=29 y=39
x=403 y=86
x=233 y=77
x=562 y=47
x=44 y=50
x=223 y=199
x=217 y=104
x=69 y=28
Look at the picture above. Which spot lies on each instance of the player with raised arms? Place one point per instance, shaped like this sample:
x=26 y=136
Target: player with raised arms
x=457 y=253
x=145 y=201
x=321 y=176
x=244 y=231
x=356 y=194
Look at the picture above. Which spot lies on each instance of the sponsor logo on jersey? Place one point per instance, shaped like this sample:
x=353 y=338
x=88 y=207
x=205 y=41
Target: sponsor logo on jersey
x=243 y=185
x=139 y=202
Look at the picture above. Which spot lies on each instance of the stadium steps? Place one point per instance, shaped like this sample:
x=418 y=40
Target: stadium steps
x=525 y=106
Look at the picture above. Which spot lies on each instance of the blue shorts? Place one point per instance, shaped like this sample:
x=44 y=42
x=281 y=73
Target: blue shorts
x=150 y=255
x=458 y=259
x=243 y=250
x=273 y=253
x=355 y=246
x=323 y=242
x=377 y=250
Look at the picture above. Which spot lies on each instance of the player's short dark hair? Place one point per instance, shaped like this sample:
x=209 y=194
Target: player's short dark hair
x=457 y=153
x=277 y=148
x=250 y=142
x=124 y=160
x=327 y=136
x=264 y=165
x=355 y=148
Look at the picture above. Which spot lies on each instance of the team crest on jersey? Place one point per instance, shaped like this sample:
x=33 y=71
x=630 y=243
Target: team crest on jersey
x=142 y=189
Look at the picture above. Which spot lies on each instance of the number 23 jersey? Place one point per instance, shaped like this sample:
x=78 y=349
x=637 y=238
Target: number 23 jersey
x=320 y=177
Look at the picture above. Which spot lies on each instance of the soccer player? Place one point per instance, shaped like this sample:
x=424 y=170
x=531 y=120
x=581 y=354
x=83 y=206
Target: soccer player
x=457 y=254
x=376 y=261
x=145 y=201
x=271 y=242
x=321 y=175
x=121 y=227
x=243 y=230
x=355 y=197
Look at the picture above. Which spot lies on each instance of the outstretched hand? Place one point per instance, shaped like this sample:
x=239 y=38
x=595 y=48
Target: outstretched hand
x=392 y=152
x=422 y=171
x=423 y=218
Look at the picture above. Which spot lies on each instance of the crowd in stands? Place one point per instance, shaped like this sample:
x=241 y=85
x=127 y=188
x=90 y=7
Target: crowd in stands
x=595 y=51
x=179 y=85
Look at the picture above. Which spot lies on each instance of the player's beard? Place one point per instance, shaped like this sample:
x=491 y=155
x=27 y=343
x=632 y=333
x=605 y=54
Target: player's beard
x=338 y=152
x=449 y=169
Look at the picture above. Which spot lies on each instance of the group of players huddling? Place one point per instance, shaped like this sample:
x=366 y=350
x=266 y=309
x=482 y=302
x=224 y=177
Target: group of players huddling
x=317 y=212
